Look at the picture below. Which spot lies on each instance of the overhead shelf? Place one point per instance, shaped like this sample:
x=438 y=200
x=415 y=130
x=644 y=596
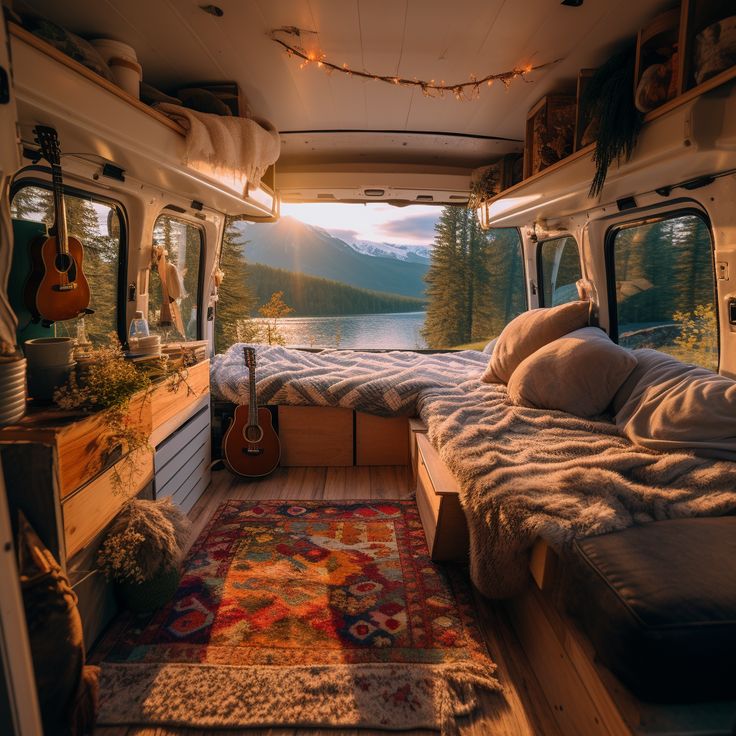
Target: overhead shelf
x=96 y=118
x=691 y=136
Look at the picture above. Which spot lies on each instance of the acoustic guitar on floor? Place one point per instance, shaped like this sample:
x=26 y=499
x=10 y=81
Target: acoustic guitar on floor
x=251 y=446
x=57 y=288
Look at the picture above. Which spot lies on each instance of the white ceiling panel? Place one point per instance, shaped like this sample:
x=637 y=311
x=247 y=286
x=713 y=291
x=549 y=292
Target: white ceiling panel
x=177 y=42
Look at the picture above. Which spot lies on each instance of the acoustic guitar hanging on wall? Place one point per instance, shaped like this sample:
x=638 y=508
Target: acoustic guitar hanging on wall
x=57 y=288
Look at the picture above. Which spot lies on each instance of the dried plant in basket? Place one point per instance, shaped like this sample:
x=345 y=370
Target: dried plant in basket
x=485 y=184
x=144 y=540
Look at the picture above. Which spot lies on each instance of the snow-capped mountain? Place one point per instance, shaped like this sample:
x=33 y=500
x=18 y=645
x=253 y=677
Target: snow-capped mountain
x=415 y=253
x=410 y=253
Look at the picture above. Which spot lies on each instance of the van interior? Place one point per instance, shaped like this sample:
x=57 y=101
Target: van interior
x=368 y=366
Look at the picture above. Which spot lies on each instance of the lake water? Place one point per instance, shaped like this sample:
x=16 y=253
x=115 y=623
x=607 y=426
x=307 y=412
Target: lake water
x=397 y=330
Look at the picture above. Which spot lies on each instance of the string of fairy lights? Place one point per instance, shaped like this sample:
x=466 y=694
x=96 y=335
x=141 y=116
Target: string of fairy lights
x=467 y=90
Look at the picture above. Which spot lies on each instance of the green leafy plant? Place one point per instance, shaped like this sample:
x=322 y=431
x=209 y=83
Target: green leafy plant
x=608 y=100
x=697 y=341
x=109 y=384
x=145 y=539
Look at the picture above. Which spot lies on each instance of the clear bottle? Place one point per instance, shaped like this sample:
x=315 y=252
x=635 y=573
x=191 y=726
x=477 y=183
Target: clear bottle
x=138 y=328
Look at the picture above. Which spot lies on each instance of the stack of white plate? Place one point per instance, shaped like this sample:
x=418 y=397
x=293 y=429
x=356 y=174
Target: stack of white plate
x=144 y=347
x=12 y=390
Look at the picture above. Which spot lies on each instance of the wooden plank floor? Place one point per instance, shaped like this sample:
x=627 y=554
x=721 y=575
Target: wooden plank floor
x=519 y=710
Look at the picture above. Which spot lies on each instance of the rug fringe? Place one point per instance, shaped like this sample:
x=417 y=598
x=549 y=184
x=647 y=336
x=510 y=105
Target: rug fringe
x=381 y=696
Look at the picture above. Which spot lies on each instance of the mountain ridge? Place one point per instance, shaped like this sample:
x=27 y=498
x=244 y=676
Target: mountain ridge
x=291 y=245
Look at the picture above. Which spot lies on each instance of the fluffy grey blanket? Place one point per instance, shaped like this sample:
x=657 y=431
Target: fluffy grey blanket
x=527 y=473
x=524 y=473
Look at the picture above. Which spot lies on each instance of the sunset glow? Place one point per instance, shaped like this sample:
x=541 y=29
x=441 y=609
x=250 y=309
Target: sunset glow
x=382 y=223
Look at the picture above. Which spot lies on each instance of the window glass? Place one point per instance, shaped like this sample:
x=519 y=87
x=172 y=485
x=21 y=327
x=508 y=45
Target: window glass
x=368 y=276
x=665 y=289
x=559 y=270
x=98 y=226
x=178 y=246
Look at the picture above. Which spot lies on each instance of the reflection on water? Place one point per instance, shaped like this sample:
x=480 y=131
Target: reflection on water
x=398 y=330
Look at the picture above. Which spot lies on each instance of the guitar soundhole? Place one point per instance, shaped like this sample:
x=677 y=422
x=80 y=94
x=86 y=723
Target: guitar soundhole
x=253 y=433
x=64 y=263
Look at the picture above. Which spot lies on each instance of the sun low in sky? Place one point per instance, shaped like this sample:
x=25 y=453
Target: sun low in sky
x=376 y=222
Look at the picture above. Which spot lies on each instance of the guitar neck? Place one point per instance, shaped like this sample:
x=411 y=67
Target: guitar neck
x=252 y=405
x=60 y=229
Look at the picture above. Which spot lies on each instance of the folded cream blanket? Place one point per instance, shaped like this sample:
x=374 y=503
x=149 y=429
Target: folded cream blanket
x=224 y=146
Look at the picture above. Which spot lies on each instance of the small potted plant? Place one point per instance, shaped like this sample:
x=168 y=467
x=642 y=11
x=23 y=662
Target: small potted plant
x=142 y=552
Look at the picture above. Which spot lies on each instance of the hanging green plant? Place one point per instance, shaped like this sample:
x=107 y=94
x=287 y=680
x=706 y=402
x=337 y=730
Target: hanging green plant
x=608 y=103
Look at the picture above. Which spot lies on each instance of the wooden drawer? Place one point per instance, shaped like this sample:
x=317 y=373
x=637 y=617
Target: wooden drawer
x=438 y=500
x=428 y=503
x=380 y=440
x=317 y=436
x=166 y=404
x=416 y=426
x=83 y=446
x=89 y=510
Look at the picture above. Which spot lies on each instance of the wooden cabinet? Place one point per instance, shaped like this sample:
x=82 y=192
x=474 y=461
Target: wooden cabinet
x=380 y=440
x=169 y=401
x=550 y=130
x=70 y=478
x=92 y=507
x=315 y=436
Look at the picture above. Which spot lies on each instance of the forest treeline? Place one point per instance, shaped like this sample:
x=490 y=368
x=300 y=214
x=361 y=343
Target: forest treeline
x=475 y=282
x=247 y=286
x=311 y=296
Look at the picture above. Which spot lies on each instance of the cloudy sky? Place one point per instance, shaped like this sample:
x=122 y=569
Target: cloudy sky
x=381 y=223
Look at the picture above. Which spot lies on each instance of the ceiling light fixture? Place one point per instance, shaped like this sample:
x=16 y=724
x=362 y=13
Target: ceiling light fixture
x=215 y=10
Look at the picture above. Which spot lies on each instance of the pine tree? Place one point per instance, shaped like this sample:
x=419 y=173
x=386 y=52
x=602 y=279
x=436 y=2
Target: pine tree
x=443 y=325
x=236 y=302
x=30 y=203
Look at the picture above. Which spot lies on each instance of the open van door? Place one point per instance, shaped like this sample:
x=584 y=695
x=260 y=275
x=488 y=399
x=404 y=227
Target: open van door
x=18 y=698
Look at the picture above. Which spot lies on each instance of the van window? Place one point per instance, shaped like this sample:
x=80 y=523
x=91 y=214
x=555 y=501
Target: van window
x=180 y=243
x=665 y=288
x=98 y=225
x=559 y=270
x=368 y=276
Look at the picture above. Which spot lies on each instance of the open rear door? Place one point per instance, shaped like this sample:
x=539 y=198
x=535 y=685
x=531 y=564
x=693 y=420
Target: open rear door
x=18 y=699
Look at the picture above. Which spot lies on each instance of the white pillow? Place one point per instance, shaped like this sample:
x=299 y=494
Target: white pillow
x=530 y=331
x=578 y=373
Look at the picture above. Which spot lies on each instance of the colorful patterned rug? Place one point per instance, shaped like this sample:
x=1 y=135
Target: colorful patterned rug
x=304 y=614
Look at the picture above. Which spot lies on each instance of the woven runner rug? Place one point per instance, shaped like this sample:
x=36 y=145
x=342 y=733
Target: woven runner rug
x=304 y=614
